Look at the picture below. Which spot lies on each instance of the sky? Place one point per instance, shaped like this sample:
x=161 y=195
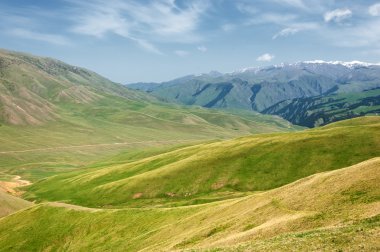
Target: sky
x=157 y=40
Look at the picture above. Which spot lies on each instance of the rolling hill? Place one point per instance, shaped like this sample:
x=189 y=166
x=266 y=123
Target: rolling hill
x=215 y=171
x=325 y=211
x=56 y=117
x=269 y=89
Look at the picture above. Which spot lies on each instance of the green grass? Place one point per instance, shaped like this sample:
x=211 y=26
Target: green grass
x=309 y=209
x=322 y=110
x=86 y=128
x=10 y=204
x=191 y=174
x=359 y=236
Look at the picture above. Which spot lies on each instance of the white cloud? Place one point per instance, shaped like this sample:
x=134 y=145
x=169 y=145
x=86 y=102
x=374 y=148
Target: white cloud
x=266 y=57
x=147 y=46
x=337 y=15
x=295 y=28
x=285 y=32
x=374 y=10
x=181 y=53
x=202 y=48
x=44 y=37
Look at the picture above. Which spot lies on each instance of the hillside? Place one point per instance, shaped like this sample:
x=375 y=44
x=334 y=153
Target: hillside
x=10 y=204
x=55 y=117
x=322 y=110
x=331 y=210
x=260 y=89
x=215 y=171
x=32 y=88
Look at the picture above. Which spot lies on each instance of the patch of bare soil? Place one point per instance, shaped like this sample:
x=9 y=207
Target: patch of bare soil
x=137 y=195
x=73 y=207
x=12 y=186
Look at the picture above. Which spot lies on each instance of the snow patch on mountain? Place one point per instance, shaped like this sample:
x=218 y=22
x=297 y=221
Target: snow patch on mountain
x=349 y=64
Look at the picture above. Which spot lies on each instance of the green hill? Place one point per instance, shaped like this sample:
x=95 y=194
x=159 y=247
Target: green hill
x=218 y=170
x=322 y=110
x=10 y=204
x=55 y=117
x=331 y=210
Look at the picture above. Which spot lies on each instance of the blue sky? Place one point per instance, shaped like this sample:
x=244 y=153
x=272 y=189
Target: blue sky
x=146 y=40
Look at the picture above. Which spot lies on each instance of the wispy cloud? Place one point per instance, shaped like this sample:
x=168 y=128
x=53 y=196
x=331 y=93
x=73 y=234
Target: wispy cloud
x=374 y=10
x=295 y=28
x=146 y=45
x=285 y=32
x=44 y=37
x=266 y=57
x=337 y=15
x=142 y=22
x=98 y=22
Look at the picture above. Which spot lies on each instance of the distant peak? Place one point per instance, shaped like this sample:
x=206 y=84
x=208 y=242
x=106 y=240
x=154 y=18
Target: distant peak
x=349 y=64
x=212 y=73
x=247 y=69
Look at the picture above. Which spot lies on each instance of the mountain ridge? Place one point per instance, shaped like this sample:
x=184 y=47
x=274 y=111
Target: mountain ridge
x=260 y=88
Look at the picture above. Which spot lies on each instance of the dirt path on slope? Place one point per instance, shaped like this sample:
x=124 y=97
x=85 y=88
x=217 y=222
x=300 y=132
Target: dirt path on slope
x=95 y=145
x=10 y=186
x=73 y=207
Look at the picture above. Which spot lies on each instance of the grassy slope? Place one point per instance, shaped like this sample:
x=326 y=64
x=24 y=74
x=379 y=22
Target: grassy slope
x=10 y=204
x=321 y=110
x=342 y=201
x=45 y=104
x=136 y=130
x=214 y=171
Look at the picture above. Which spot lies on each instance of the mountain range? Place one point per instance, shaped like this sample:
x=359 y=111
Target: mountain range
x=321 y=92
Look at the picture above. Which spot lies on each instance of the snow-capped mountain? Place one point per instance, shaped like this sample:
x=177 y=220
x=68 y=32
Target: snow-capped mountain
x=260 y=88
